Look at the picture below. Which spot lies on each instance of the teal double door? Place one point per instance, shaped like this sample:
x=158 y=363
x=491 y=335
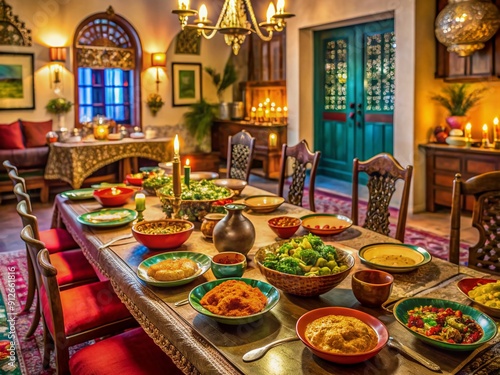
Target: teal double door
x=354 y=71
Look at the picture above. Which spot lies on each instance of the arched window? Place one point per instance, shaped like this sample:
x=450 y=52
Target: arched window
x=107 y=65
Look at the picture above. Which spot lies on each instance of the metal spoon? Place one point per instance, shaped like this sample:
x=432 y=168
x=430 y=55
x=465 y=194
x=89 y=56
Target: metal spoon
x=125 y=236
x=393 y=343
x=182 y=302
x=255 y=354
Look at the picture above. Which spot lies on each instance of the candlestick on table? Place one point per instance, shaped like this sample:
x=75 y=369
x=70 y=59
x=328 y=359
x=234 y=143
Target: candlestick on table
x=140 y=205
x=468 y=134
x=485 y=141
x=187 y=173
x=176 y=178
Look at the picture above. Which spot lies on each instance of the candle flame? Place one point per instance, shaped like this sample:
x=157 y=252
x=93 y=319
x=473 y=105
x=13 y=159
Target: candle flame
x=468 y=126
x=495 y=121
x=187 y=162
x=183 y=4
x=280 y=5
x=176 y=145
x=485 y=128
x=203 y=12
x=271 y=11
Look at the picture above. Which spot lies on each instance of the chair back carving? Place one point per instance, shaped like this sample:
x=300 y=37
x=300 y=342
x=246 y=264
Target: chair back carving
x=28 y=219
x=9 y=166
x=240 y=152
x=301 y=157
x=383 y=172
x=33 y=246
x=22 y=195
x=485 y=189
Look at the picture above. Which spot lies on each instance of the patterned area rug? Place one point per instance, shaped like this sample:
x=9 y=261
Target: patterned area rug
x=329 y=202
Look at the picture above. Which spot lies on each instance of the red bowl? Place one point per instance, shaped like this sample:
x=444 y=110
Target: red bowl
x=377 y=325
x=132 y=180
x=161 y=241
x=113 y=196
x=284 y=226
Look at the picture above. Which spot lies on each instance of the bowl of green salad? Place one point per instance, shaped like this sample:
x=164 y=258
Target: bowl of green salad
x=197 y=199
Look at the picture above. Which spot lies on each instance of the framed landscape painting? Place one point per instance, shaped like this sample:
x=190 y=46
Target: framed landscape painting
x=186 y=83
x=17 y=81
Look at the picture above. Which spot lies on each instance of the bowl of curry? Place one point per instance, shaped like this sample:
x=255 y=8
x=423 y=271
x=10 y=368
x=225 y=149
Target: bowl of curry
x=234 y=301
x=342 y=335
x=394 y=257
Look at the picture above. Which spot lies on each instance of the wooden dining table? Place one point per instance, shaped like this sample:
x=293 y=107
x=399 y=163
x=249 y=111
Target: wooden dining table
x=198 y=344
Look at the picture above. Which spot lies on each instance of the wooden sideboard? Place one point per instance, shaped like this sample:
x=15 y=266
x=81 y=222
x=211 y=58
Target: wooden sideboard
x=444 y=161
x=268 y=142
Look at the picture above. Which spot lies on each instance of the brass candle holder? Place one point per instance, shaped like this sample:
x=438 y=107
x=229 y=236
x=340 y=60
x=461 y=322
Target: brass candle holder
x=176 y=206
x=140 y=216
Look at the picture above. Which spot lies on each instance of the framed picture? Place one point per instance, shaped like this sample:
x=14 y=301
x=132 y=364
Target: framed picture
x=186 y=83
x=17 y=81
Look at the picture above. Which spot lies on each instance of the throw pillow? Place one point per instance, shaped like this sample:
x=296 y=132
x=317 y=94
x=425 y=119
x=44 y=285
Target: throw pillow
x=11 y=136
x=35 y=132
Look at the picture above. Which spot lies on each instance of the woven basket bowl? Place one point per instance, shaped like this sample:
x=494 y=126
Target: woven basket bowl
x=305 y=286
x=194 y=210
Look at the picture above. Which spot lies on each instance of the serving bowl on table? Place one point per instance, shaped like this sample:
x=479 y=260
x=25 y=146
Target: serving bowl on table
x=202 y=260
x=135 y=179
x=284 y=226
x=232 y=183
x=113 y=196
x=198 y=292
x=468 y=284
x=372 y=287
x=263 y=203
x=488 y=326
x=343 y=358
x=300 y=285
x=162 y=234
x=228 y=264
x=394 y=257
x=325 y=224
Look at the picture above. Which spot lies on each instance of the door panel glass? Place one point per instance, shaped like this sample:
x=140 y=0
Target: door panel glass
x=335 y=75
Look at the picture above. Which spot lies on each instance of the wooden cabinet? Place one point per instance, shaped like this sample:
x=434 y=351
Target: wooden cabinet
x=268 y=142
x=480 y=66
x=443 y=162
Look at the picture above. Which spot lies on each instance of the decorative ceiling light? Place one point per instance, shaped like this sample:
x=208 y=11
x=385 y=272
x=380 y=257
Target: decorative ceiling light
x=464 y=25
x=233 y=22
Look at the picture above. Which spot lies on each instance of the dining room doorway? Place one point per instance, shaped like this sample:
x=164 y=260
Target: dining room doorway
x=354 y=94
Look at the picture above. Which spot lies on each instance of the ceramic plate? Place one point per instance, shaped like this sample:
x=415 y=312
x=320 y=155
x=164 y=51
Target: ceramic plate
x=197 y=176
x=487 y=324
x=326 y=224
x=397 y=258
x=108 y=217
x=202 y=260
x=231 y=183
x=264 y=203
x=77 y=195
x=466 y=285
x=272 y=294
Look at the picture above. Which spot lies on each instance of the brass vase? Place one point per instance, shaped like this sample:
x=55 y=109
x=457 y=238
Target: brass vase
x=235 y=232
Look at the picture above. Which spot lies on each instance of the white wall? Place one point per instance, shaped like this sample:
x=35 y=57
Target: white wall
x=315 y=15
x=53 y=23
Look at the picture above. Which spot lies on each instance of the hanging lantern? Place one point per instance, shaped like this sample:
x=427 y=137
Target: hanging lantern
x=464 y=25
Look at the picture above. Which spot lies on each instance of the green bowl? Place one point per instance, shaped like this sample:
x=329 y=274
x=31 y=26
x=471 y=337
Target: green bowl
x=228 y=264
x=487 y=324
x=272 y=294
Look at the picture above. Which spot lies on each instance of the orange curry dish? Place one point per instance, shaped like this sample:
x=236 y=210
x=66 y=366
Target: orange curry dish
x=234 y=298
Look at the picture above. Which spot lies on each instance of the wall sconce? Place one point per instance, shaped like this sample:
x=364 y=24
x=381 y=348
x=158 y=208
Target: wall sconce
x=57 y=57
x=158 y=60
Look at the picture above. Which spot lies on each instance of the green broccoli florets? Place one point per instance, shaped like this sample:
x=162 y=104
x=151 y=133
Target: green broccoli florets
x=285 y=248
x=269 y=263
x=315 y=241
x=308 y=256
x=328 y=252
x=290 y=265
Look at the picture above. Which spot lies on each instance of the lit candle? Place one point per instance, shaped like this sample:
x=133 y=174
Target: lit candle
x=253 y=113
x=183 y=4
x=468 y=131
x=285 y=113
x=203 y=13
x=140 y=202
x=496 y=136
x=270 y=12
x=176 y=166
x=279 y=115
x=485 y=132
x=273 y=140
x=280 y=5
x=187 y=173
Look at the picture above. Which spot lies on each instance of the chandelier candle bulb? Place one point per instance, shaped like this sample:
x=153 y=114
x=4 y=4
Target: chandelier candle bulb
x=140 y=202
x=270 y=13
x=187 y=173
x=280 y=6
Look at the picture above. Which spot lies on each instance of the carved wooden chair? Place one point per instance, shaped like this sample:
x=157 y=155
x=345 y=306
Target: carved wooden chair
x=301 y=156
x=32 y=183
x=240 y=151
x=131 y=352
x=72 y=266
x=76 y=315
x=485 y=189
x=383 y=172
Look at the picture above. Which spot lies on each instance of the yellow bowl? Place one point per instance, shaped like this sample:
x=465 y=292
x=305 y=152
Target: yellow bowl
x=326 y=224
x=264 y=203
x=394 y=257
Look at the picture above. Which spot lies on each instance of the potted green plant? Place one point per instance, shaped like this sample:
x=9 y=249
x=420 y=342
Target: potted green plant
x=221 y=83
x=59 y=107
x=154 y=103
x=198 y=120
x=458 y=99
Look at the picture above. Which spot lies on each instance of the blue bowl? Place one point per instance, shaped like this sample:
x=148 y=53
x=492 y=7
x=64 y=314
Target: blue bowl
x=487 y=324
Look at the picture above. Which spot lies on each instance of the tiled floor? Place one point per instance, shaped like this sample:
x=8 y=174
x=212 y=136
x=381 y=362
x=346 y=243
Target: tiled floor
x=438 y=223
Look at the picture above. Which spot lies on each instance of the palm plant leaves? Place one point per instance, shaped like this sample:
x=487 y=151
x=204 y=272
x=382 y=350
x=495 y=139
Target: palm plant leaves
x=199 y=119
x=457 y=98
x=229 y=77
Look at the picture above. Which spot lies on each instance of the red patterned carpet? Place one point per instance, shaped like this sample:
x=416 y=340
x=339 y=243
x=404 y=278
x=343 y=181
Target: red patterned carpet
x=329 y=202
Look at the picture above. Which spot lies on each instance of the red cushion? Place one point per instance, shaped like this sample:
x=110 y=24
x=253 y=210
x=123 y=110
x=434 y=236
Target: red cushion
x=35 y=132
x=57 y=239
x=11 y=136
x=132 y=353
x=72 y=266
x=86 y=307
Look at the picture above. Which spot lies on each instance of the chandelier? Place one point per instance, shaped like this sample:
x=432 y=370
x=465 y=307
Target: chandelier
x=464 y=25
x=233 y=21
